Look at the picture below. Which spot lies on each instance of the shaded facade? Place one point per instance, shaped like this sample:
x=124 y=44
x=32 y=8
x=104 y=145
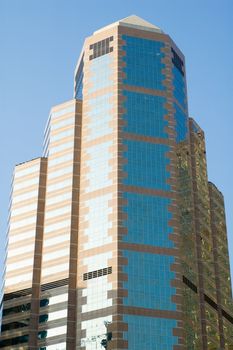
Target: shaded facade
x=117 y=240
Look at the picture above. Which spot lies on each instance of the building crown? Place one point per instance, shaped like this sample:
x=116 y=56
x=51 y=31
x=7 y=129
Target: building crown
x=133 y=21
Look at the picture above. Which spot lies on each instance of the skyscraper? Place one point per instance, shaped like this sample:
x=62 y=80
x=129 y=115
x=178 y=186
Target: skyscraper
x=116 y=238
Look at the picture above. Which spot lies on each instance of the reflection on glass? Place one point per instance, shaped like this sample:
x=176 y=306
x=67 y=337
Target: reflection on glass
x=23 y=172
x=61 y=159
x=27 y=183
x=21 y=250
x=20 y=264
x=59 y=346
x=19 y=279
x=63 y=111
x=55 y=269
x=62 y=123
x=56 y=240
x=61 y=135
x=15 y=325
x=22 y=236
x=60 y=172
x=24 y=196
x=14 y=341
x=17 y=309
x=55 y=299
x=24 y=209
x=61 y=147
x=52 y=332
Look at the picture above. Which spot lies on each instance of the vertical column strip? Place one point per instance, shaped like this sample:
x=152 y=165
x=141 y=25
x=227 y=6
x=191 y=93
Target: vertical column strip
x=35 y=300
x=72 y=292
x=198 y=242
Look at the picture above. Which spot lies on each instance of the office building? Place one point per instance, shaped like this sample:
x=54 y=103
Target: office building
x=117 y=239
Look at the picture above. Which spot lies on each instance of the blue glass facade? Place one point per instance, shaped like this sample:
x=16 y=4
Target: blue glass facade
x=79 y=82
x=145 y=114
x=179 y=87
x=143 y=62
x=150 y=333
x=181 y=117
x=149 y=278
x=147 y=219
x=152 y=227
x=146 y=165
x=181 y=124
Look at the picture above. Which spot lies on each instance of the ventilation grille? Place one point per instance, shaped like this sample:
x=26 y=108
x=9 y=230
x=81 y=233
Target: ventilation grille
x=97 y=273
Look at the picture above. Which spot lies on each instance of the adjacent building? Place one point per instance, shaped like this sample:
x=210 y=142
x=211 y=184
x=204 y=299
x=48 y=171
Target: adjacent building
x=117 y=240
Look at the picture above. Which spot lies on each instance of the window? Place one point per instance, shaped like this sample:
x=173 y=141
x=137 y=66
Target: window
x=101 y=48
x=189 y=284
x=177 y=61
x=17 y=309
x=14 y=341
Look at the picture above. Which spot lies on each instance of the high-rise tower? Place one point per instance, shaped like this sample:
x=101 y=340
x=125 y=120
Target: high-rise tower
x=117 y=240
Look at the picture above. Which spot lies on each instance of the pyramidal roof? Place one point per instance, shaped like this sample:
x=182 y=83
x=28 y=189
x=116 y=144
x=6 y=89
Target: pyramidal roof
x=133 y=22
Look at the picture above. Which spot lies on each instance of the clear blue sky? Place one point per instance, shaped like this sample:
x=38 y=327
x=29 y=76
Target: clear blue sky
x=41 y=41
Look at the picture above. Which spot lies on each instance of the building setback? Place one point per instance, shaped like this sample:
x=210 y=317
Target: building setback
x=116 y=238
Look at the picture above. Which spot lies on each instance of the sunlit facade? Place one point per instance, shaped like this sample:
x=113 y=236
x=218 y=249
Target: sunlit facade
x=116 y=238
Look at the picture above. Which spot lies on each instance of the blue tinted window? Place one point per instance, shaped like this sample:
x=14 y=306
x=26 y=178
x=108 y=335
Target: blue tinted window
x=101 y=73
x=149 y=280
x=145 y=114
x=79 y=82
x=147 y=220
x=99 y=115
x=181 y=124
x=150 y=333
x=143 y=62
x=179 y=87
x=146 y=165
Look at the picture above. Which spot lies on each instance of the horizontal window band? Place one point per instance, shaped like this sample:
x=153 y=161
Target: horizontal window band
x=227 y=316
x=54 y=284
x=20 y=340
x=15 y=325
x=189 y=284
x=210 y=302
x=208 y=299
x=17 y=309
x=97 y=273
x=28 y=291
x=17 y=294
